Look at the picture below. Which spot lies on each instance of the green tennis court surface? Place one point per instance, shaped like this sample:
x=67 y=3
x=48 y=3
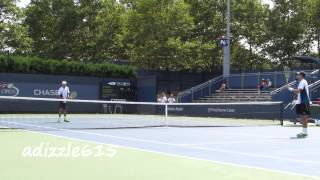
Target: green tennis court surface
x=124 y=164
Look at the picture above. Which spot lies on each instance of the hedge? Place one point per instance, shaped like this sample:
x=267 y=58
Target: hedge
x=18 y=64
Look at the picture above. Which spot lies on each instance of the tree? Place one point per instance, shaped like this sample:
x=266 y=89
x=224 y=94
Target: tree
x=84 y=29
x=209 y=26
x=314 y=20
x=287 y=30
x=99 y=32
x=249 y=33
x=162 y=34
x=13 y=35
x=155 y=34
x=51 y=26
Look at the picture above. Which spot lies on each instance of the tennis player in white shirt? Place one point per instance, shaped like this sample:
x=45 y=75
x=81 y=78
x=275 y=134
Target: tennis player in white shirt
x=63 y=93
x=303 y=103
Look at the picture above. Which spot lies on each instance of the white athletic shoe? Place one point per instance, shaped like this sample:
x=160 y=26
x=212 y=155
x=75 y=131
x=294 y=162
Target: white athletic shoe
x=60 y=120
x=317 y=122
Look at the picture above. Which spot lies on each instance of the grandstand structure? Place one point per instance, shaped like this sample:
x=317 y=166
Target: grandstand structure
x=236 y=95
x=243 y=88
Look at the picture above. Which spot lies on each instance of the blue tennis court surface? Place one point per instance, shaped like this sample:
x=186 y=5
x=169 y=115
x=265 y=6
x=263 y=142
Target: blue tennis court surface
x=267 y=147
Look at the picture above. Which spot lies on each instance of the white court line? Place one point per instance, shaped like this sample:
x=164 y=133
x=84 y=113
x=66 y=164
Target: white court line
x=202 y=148
x=167 y=154
x=236 y=142
x=175 y=155
x=205 y=130
x=176 y=145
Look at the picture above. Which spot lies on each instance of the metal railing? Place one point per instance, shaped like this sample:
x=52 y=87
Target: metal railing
x=282 y=88
x=199 y=87
x=234 y=81
x=315 y=85
x=251 y=80
x=314 y=90
x=315 y=72
x=243 y=81
x=312 y=74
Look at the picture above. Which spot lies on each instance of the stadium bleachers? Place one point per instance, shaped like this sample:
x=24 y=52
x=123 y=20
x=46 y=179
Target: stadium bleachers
x=237 y=95
x=243 y=87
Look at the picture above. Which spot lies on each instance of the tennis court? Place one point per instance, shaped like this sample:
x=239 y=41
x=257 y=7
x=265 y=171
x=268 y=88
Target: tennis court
x=249 y=151
x=159 y=89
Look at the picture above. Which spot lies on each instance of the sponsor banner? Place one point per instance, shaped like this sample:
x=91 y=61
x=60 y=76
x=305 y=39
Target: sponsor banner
x=119 y=83
x=232 y=111
x=229 y=111
x=44 y=90
x=117 y=89
x=8 y=89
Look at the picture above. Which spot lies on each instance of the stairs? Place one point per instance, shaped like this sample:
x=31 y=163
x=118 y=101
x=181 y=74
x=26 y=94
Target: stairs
x=241 y=84
x=236 y=95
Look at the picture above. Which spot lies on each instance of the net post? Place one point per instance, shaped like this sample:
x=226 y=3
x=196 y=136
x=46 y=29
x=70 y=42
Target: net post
x=166 y=115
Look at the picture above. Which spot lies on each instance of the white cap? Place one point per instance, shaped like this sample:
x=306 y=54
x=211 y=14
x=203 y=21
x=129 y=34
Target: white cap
x=64 y=83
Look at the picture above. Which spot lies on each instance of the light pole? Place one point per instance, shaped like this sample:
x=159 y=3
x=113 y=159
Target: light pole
x=226 y=49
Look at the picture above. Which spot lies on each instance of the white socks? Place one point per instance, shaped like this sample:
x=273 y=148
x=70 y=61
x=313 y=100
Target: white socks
x=305 y=130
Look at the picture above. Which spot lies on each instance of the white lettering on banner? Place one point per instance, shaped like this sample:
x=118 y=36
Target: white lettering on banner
x=8 y=89
x=177 y=109
x=45 y=92
x=127 y=84
x=222 y=110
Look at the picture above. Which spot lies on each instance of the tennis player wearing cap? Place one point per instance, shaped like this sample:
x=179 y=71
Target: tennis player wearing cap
x=63 y=93
x=303 y=103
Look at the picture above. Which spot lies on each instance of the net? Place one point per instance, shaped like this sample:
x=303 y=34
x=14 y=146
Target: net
x=41 y=114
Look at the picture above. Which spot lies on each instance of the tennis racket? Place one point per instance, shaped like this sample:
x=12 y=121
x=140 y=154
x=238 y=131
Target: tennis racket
x=73 y=95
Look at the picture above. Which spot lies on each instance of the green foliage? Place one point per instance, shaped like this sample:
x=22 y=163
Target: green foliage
x=249 y=27
x=13 y=34
x=161 y=34
x=67 y=67
x=287 y=29
x=314 y=16
x=155 y=33
x=87 y=30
